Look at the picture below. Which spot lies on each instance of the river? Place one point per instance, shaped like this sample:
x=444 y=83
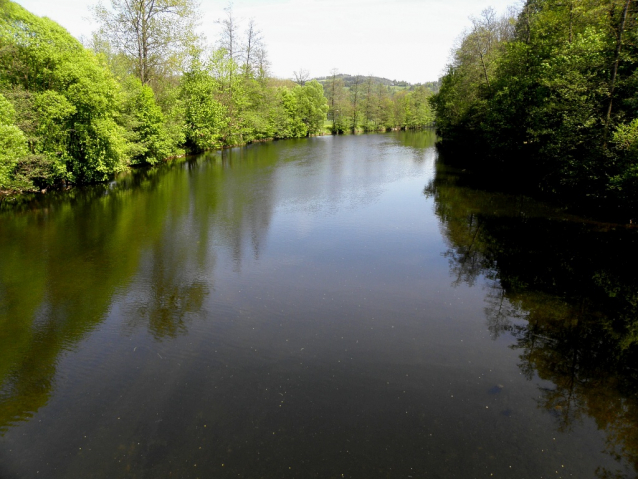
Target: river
x=333 y=307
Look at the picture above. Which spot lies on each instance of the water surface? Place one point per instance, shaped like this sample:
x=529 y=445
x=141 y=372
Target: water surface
x=330 y=307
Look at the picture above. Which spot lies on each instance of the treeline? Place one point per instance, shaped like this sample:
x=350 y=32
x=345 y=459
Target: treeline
x=143 y=90
x=365 y=104
x=349 y=80
x=547 y=95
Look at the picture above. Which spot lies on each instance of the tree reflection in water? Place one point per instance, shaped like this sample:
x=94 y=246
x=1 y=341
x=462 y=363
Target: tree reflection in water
x=147 y=237
x=566 y=289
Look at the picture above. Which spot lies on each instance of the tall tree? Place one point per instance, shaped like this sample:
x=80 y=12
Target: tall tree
x=226 y=67
x=338 y=102
x=620 y=30
x=332 y=96
x=554 y=90
x=262 y=63
x=252 y=47
x=155 y=35
x=229 y=37
x=369 y=102
x=355 y=99
x=13 y=144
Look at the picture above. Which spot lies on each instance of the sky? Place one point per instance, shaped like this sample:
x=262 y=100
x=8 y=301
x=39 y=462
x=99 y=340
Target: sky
x=406 y=40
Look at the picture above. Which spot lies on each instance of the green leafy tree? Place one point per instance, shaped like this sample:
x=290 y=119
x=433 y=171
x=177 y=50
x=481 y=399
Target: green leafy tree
x=312 y=106
x=149 y=139
x=552 y=100
x=205 y=117
x=294 y=126
x=13 y=145
x=66 y=98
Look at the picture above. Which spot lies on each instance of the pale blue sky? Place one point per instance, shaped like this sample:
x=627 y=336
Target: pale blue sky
x=399 y=39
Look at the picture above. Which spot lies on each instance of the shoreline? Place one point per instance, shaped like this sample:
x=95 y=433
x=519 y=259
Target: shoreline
x=7 y=197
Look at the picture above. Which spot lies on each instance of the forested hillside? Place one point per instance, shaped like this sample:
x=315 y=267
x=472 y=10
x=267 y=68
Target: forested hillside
x=146 y=88
x=349 y=80
x=547 y=96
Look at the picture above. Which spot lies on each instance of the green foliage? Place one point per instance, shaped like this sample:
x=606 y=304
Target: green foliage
x=7 y=112
x=293 y=125
x=371 y=105
x=224 y=107
x=12 y=144
x=71 y=115
x=69 y=102
x=149 y=139
x=312 y=106
x=555 y=89
x=626 y=137
x=231 y=94
x=625 y=183
x=205 y=116
x=97 y=146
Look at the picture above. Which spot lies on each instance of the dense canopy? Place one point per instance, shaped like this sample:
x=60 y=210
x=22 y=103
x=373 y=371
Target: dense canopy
x=550 y=93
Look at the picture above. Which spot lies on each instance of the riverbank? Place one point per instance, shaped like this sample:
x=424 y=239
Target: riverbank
x=550 y=104
x=496 y=171
x=7 y=197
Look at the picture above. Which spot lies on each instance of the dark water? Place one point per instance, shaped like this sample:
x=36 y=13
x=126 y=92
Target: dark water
x=324 y=308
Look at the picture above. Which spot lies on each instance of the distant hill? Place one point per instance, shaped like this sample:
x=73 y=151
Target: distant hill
x=349 y=80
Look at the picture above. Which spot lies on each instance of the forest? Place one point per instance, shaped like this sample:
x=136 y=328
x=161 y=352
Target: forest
x=547 y=95
x=146 y=88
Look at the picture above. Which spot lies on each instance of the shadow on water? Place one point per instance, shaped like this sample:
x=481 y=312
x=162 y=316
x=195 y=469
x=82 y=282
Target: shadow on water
x=565 y=289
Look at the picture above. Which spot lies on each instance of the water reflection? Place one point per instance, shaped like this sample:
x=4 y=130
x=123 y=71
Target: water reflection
x=288 y=305
x=146 y=237
x=146 y=247
x=565 y=289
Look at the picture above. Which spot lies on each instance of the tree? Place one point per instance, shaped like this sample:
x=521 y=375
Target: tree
x=338 y=102
x=301 y=76
x=150 y=142
x=311 y=105
x=620 y=29
x=385 y=110
x=550 y=97
x=66 y=101
x=423 y=114
x=369 y=104
x=13 y=145
x=229 y=37
x=354 y=99
x=253 y=47
x=206 y=118
x=262 y=63
x=155 y=35
x=294 y=126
